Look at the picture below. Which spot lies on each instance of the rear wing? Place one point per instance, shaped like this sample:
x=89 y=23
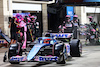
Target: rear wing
x=61 y=35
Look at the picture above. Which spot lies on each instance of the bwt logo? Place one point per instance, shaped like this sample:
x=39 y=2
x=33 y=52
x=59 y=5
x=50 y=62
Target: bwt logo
x=61 y=35
x=47 y=58
x=16 y=59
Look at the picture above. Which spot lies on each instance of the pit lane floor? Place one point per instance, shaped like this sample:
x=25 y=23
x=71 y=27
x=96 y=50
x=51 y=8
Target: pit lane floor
x=90 y=58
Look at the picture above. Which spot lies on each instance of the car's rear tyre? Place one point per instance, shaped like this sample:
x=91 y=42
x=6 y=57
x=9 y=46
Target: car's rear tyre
x=75 y=48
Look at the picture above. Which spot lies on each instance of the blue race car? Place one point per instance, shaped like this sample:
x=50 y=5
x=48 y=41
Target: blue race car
x=45 y=49
x=49 y=49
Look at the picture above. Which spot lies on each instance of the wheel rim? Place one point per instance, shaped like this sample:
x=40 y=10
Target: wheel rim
x=65 y=54
x=80 y=49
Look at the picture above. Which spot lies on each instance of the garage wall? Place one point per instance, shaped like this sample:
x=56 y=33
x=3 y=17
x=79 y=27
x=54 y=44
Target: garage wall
x=26 y=7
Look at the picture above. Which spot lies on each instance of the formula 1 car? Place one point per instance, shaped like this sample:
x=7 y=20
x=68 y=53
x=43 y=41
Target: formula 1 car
x=45 y=49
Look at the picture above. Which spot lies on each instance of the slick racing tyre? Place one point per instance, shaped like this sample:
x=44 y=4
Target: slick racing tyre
x=13 y=51
x=75 y=48
x=63 y=56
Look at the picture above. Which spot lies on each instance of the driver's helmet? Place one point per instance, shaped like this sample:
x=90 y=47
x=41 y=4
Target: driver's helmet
x=67 y=18
x=47 y=41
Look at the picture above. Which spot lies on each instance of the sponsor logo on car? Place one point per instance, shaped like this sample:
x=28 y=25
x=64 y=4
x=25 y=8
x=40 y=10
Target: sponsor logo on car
x=18 y=59
x=46 y=58
x=62 y=35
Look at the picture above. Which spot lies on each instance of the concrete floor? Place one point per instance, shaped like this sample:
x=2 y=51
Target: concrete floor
x=90 y=58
